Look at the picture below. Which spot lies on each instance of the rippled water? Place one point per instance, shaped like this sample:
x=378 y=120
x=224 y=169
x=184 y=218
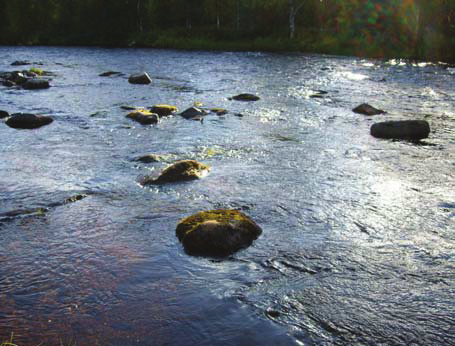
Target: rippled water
x=358 y=245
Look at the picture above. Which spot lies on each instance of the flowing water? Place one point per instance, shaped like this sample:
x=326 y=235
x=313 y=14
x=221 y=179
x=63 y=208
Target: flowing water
x=358 y=243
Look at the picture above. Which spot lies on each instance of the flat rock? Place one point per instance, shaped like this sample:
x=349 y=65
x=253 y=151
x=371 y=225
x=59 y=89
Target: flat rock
x=20 y=63
x=403 y=129
x=36 y=83
x=163 y=110
x=110 y=73
x=245 y=97
x=217 y=233
x=366 y=109
x=141 y=78
x=144 y=117
x=149 y=158
x=180 y=171
x=28 y=121
x=219 y=111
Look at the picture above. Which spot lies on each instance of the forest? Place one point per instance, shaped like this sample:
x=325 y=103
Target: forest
x=418 y=29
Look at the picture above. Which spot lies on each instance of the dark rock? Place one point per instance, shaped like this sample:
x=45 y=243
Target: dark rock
x=28 y=121
x=149 y=158
x=219 y=111
x=163 y=110
x=245 y=97
x=36 y=83
x=20 y=63
x=366 y=109
x=404 y=129
x=110 y=73
x=141 y=78
x=193 y=112
x=129 y=108
x=4 y=114
x=18 y=77
x=179 y=171
x=8 y=83
x=143 y=117
x=217 y=233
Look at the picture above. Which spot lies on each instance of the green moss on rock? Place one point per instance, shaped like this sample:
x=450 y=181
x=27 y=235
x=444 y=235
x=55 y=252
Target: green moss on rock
x=217 y=233
x=179 y=171
x=143 y=116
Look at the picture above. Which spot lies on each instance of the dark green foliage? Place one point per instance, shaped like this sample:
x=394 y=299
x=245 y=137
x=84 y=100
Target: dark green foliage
x=380 y=28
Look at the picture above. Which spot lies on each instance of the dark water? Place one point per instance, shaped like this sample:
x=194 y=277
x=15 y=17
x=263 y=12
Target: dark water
x=358 y=245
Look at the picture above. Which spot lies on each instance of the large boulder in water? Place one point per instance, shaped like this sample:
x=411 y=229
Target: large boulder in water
x=4 y=114
x=28 y=121
x=366 y=109
x=180 y=171
x=404 y=129
x=217 y=233
x=36 y=83
x=141 y=78
x=143 y=117
x=163 y=110
x=245 y=97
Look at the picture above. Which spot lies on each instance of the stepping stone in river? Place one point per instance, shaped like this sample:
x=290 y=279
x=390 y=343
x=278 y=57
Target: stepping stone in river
x=245 y=97
x=180 y=171
x=217 y=233
x=404 y=129
x=141 y=78
x=366 y=109
x=28 y=121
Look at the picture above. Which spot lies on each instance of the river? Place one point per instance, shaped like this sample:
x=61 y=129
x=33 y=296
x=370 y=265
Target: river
x=358 y=243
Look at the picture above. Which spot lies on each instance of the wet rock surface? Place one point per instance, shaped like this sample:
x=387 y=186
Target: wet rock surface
x=180 y=171
x=28 y=121
x=367 y=109
x=217 y=233
x=403 y=129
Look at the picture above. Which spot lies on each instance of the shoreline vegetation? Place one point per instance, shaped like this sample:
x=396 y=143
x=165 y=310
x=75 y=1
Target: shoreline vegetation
x=412 y=29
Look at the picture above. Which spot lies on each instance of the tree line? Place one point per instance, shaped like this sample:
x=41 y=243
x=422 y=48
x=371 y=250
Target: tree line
x=403 y=28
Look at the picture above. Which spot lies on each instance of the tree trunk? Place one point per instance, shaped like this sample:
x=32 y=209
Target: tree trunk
x=291 y=19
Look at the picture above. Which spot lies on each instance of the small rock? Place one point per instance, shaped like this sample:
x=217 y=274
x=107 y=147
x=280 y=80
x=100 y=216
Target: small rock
x=18 y=77
x=245 y=97
x=179 y=171
x=28 y=121
x=129 y=108
x=366 y=109
x=4 y=114
x=193 y=112
x=20 y=63
x=404 y=129
x=141 y=78
x=110 y=73
x=217 y=233
x=163 y=110
x=149 y=158
x=36 y=83
x=143 y=117
x=219 y=111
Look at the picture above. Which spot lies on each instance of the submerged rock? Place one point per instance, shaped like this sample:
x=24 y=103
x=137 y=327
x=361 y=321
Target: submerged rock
x=366 y=109
x=217 y=232
x=141 y=78
x=219 y=111
x=245 y=97
x=4 y=114
x=193 y=112
x=36 y=83
x=28 y=121
x=149 y=158
x=110 y=73
x=404 y=129
x=143 y=117
x=163 y=110
x=180 y=171
x=20 y=63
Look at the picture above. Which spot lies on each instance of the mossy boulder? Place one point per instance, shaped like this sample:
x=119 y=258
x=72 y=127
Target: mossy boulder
x=404 y=129
x=217 y=233
x=140 y=78
x=245 y=97
x=163 y=110
x=143 y=116
x=179 y=171
x=28 y=121
x=36 y=83
x=367 y=109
